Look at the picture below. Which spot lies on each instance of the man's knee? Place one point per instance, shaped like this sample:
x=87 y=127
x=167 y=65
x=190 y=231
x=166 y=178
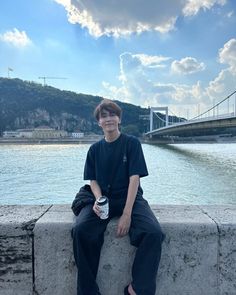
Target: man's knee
x=83 y=231
x=152 y=235
x=157 y=236
x=155 y=232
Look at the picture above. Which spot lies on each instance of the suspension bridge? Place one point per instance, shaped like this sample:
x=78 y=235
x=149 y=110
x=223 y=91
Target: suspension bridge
x=217 y=123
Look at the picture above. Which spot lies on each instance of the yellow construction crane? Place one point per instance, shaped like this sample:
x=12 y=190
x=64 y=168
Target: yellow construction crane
x=46 y=78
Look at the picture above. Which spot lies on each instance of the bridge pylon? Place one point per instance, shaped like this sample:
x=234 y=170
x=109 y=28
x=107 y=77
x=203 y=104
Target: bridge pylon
x=156 y=109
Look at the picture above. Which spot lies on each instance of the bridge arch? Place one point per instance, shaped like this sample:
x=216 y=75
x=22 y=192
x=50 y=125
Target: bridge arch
x=156 y=109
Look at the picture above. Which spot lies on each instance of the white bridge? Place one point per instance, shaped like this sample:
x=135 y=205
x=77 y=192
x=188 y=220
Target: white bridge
x=197 y=126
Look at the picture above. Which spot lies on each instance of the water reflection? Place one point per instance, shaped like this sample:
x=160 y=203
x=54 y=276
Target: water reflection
x=213 y=155
x=178 y=174
x=191 y=174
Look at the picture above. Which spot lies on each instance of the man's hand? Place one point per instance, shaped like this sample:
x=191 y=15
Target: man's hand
x=123 y=225
x=96 y=209
x=125 y=219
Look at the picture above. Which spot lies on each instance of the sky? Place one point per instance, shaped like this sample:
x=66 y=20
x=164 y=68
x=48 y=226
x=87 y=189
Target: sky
x=175 y=53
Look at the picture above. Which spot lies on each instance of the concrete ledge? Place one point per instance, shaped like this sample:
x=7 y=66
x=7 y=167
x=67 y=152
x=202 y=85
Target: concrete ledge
x=199 y=253
x=16 y=248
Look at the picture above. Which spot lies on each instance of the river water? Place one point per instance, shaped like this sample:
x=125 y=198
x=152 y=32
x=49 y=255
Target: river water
x=178 y=174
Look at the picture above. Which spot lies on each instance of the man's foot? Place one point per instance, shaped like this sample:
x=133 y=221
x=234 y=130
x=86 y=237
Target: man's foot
x=126 y=292
x=129 y=290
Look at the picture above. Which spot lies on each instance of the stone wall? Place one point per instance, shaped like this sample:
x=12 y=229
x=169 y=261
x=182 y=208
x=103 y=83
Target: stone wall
x=199 y=252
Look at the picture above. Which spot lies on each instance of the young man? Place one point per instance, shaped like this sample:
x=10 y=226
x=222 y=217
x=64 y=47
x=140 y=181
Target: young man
x=120 y=157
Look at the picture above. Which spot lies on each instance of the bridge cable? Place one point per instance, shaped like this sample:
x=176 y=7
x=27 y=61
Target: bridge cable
x=159 y=117
x=181 y=119
x=214 y=106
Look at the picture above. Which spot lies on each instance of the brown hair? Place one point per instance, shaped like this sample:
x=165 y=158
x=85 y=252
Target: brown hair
x=109 y=106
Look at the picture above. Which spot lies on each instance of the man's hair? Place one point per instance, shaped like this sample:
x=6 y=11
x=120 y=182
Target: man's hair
x=109 y=106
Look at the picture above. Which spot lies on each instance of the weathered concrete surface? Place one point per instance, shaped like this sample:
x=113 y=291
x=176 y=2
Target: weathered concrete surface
x=225 y=219
x=116 y=260
x=199 y=252
x=189 y=257
x=16 y=244
x=189 y=262
x=54 y=263
x=55 y=271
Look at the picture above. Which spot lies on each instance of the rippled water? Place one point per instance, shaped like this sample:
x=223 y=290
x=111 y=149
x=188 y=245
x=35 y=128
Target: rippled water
x=178 y=174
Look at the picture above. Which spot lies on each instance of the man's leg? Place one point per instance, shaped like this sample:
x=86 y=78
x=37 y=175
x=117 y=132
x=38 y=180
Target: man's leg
x=146 y=234
x=87 y=234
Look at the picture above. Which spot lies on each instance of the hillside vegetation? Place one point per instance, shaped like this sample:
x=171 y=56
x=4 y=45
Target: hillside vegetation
x=26 y=104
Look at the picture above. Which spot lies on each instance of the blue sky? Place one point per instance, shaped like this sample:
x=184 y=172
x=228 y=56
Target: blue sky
x=149 y=53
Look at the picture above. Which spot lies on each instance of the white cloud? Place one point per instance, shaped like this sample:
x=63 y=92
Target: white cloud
x=230 y=14
x=192 y=7
x=134 y=64
x=152 y=61
x=224 y=83
x=117 y=18
x=187 y=65
x=138 y=88
x=16 y=38
x=227 y=54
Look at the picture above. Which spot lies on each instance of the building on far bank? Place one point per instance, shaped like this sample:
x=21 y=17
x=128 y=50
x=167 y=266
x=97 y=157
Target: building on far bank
x=10 y=134
x=47 y=132
x=25 y=133
x=77 y=134
x=41 y=132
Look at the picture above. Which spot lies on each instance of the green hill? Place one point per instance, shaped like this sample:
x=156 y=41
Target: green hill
x=26 y=104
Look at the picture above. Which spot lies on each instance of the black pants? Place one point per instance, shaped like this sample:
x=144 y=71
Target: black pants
x=145 y=233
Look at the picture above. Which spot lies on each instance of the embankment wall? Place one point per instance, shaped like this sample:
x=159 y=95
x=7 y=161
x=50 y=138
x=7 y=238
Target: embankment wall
x=199 y=252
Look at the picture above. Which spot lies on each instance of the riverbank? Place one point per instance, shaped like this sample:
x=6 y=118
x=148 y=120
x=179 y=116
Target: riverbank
x=95 y=138
x=83 y=140
x=224 y=138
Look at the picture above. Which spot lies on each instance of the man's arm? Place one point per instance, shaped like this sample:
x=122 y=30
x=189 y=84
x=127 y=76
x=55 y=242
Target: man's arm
x=97 y=193
x=125 y=219
x=95 y=189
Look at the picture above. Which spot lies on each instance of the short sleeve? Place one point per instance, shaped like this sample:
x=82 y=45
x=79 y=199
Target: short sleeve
x=136 y=160
x=89 y=167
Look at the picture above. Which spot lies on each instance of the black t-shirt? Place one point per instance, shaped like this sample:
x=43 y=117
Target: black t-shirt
x=125 y=153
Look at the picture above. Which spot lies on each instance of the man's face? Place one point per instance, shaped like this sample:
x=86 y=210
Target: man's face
x=109 y=121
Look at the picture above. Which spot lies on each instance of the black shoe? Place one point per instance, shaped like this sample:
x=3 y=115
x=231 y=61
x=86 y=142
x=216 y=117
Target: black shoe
x=126 y=292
